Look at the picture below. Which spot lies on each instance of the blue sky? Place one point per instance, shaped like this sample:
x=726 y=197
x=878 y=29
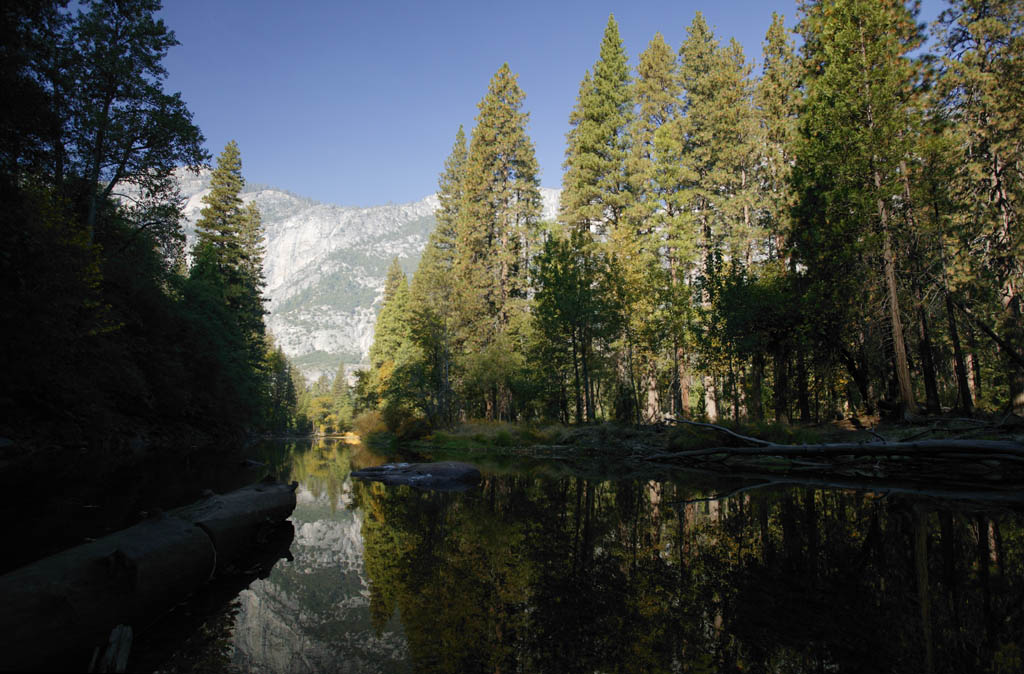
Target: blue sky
x=357 y=103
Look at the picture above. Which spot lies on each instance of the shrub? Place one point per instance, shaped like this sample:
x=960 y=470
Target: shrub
x=368 y=423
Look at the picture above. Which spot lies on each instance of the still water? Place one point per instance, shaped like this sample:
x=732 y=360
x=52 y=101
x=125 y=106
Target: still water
x=547 y=569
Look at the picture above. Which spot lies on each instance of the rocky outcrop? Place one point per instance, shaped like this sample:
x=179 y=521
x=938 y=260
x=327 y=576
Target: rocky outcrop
x=325 y=265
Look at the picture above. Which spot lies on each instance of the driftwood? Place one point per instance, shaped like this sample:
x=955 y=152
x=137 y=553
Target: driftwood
x=70 y=602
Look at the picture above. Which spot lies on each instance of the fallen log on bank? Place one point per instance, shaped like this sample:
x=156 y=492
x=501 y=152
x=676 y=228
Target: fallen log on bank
x=959 y=462
x=1007 y=449
x=70 y=601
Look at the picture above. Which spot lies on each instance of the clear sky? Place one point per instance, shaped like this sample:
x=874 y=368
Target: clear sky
x=357 y=103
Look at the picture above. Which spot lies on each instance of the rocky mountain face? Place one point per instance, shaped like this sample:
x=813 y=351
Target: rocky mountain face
x=325 y=266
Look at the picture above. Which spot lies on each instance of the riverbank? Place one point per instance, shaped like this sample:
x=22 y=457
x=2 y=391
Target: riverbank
x=944 y=454
x=58 y=496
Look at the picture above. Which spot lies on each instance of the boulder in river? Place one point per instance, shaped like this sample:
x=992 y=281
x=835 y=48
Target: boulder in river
x=440 y=476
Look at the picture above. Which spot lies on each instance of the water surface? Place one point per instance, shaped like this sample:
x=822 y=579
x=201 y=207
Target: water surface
x=547 y=569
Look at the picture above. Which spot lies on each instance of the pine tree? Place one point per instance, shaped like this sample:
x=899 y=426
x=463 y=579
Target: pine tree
x=501 y=205
x=123 y=128
x=391 y=328
x=431 y=312
x=450 y=200
x=656 y=96
x=495 y=233
x=709 y=155
x=983 y=82
x=595 y=191
x=220 y=220
x=777 y=98
x=854 y=136
x=229 y=249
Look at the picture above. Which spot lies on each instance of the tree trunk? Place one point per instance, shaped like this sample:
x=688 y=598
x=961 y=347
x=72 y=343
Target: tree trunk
x=906 y=390
x=803 y=402
x=588 y=386
x=710 y=398
x=653 y=408
x=736 y=386
x=781 y=392
x=965 y=399
x=756 y=405
x=1013 y=321
x=1013 y=334
x=677 y=381
x=684 y=381
x=924 y=347
x=576 y=379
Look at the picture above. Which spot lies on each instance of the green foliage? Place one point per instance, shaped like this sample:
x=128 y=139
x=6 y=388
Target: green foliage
x=369 y=423
x=595 y=193
x=727 y=242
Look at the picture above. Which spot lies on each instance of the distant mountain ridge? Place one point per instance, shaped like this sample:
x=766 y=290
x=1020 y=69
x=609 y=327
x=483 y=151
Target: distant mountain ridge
x=325 y=265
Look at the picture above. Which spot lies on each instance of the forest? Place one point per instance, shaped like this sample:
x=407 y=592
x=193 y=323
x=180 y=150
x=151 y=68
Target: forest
x=114 y=337
x=838 y=234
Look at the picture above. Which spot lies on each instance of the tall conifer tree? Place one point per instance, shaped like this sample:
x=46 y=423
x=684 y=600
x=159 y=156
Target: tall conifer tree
x=229 y=250
x=853 y=140
x=495 y=232
x=219 y=224
x=500 y=208
x=648 y=254
x=777 y=99
x=450 y=200
x=390 y=331
x=983 y=82
x=595 y=191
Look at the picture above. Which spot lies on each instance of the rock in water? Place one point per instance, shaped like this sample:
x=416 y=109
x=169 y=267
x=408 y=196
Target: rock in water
x=440 y=476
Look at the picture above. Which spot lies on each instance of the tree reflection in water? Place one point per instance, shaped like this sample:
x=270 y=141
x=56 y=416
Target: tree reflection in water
x=559 y=575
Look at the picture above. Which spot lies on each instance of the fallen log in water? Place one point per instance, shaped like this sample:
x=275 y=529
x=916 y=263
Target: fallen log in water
x=70 y=601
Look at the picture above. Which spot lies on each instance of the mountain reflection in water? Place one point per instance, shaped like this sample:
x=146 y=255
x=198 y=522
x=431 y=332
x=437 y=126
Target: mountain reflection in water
x=543 y=571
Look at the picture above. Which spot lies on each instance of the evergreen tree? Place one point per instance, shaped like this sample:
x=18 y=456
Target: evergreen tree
x=391 y=328
x=431 y=314
x=982 y=80
x=229 y=249
x=123 y=127
x=576 y=308
x=391 y=332
x=281 y=398
x=450 y=200
x=709 y=155
x=649 y=254
x=853 y=138
x=220 y=221
x=496 y=224
x=595 y=191
x=777 y=99
x=656 y=94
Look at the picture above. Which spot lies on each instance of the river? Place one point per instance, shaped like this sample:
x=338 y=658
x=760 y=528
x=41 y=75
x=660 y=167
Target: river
x=544 y=568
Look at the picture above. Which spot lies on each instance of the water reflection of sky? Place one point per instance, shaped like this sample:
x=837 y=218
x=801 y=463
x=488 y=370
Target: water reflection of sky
x=533 y=573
